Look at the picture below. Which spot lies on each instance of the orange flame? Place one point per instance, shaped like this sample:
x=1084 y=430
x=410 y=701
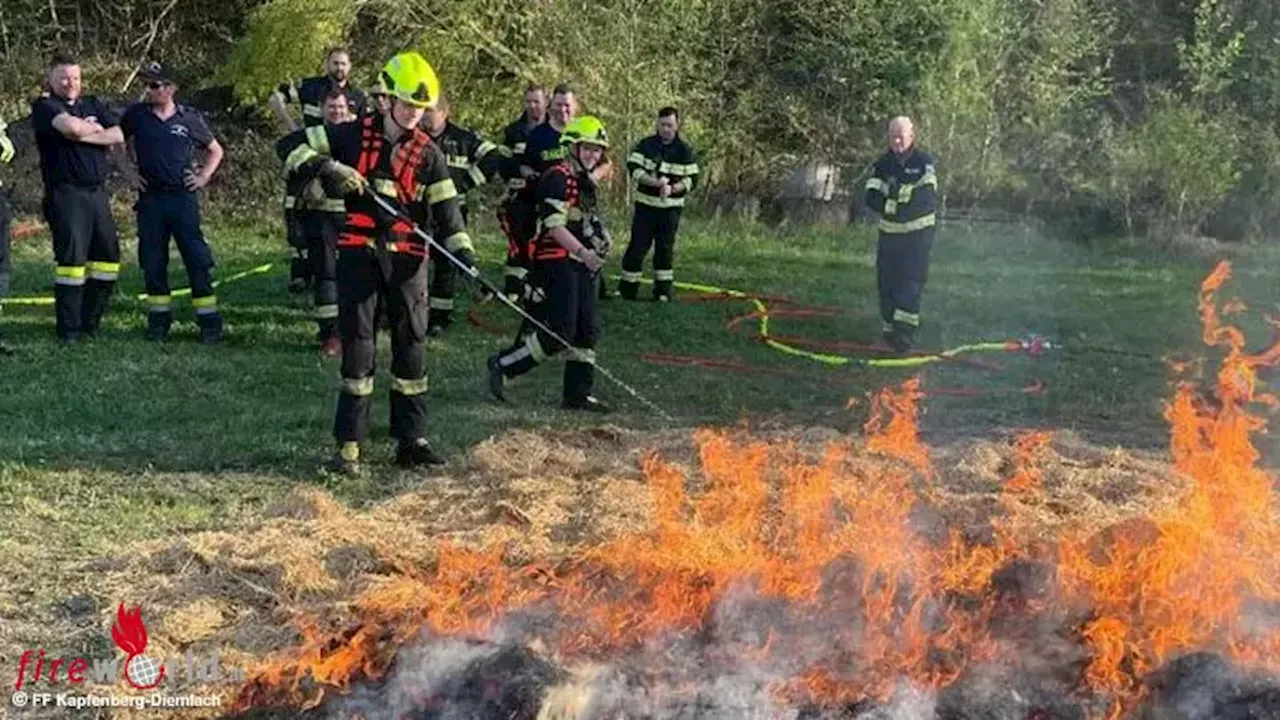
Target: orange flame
x=828 y=543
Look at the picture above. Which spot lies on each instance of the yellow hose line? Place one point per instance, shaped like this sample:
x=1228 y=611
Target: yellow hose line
x=48 y=300
x=834 y=360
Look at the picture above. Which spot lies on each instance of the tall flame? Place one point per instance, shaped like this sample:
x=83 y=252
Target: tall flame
x=848 y=598
x=128 y=630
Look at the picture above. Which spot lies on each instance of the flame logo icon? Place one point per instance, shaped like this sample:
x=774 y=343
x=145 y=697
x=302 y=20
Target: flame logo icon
x=130 y=635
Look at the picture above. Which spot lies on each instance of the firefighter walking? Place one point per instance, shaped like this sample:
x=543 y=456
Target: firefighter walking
x=379 y=257
x=903 y=191
x=163 y=136
x=321 y=212
x=472 y=160
x=664 y=169
x=515 y=213
x=73 y=132
x=567 y=255
x=6 y=259
x=310 y=94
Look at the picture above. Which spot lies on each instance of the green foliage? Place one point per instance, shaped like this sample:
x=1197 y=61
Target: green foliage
x=284 y=40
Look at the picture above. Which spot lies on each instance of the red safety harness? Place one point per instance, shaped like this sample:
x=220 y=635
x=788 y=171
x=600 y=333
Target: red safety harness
x=544 y=247
x=361 y=228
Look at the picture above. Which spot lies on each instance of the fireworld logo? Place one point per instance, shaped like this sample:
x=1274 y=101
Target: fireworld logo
x=140 y=671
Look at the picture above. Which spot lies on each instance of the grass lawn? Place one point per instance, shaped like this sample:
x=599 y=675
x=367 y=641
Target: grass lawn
x=122 y=440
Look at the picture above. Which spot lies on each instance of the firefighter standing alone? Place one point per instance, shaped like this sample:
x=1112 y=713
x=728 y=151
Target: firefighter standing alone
x=163 y=136
x=567 y=256
x=903 y=191
x=664 y=169
x=379 y=256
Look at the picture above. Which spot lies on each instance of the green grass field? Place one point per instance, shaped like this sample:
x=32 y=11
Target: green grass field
x=122 y=440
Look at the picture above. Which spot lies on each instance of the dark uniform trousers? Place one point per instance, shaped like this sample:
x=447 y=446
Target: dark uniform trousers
x=399 y=281
x=176 y=215
x=296 y=235
x=519 y=223
x=902 y=268
x=570 y=310
x=444 y=283
x=651 y=227
x=6 y=257
x=321 y=230
x=86 y=248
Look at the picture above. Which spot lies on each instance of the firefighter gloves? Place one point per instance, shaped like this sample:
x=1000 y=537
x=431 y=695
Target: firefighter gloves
x=349 y=180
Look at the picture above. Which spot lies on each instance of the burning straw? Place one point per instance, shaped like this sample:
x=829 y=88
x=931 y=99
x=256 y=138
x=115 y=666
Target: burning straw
x=787 y=584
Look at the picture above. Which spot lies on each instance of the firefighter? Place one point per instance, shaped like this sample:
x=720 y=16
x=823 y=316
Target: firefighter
x=310 y=93
x=567 y=255
x=321 y=211
x=163 y=136
x=379 y=256
x=472 y=160
x=903 y=191
x=73 y=132
x=6 y=262
x=665 y=170
x=515 y=214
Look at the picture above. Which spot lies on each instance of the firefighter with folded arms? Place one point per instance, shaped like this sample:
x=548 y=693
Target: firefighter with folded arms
x=379 y=255
x=664 y=169
x=73 y=132
x=903 y=190
x=473 y=161
x=163 y=136
x=321 y=212
x=310 y=94
x=567 y=256
x=6 y=261
x=515 y=214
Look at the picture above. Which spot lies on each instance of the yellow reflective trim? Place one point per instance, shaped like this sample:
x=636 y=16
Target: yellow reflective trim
x=458 y=241
x=458 y=161
x=901 y=228
x=289 y=202
x=667 y=168
x=558 y=205
x=383 y=186
x=632 y=277
x=108 y=267
x=440 y=303
x=890 y=207
x=207 y=301
x=312 y=110
x=159 y=300
x=642 y=161
x=659 y=202
x=293 y=94
x=441 y=190
x=535 y=348
x=318 y=139
x=333 y=205
x=878 y=185
x=298 y=157
x=639 y=174
x=555 y=220
x=664 y=274
x=69 y=271
x=408 y=387
x=477 y=175
x=516 y=271
x=908 y=318
x=360 y=387
x=485 y=148
x=326 y=312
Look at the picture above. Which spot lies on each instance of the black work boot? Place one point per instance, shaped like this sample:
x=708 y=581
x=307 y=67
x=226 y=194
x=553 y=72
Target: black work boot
x=210 y=328
x=497 y=379
x=158 y=326
x=417 y=453
x=346 y=461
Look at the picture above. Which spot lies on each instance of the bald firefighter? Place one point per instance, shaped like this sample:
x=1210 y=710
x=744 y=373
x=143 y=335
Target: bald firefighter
x=516 y=213
x=567 y=255
x=6 y=262
x=664 y=169
x=379 y=255
x=473 y=161
x=310 y=94
x=903 y=191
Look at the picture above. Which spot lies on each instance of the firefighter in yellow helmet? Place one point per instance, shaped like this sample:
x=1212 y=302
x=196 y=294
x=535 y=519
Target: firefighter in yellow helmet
x=379 y=257
x=568 y=251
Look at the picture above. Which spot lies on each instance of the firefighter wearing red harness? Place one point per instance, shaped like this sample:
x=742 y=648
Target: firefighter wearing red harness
x=567 y=253
x=379 y=256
